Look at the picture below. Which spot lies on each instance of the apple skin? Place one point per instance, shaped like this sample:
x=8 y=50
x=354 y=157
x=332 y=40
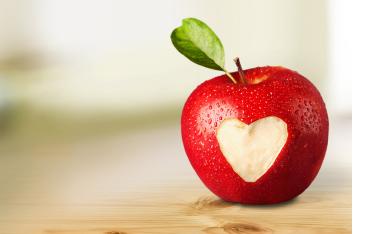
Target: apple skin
x=284 y=94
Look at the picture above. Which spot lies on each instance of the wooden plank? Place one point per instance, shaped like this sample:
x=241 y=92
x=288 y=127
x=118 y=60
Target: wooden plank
x=116 y=185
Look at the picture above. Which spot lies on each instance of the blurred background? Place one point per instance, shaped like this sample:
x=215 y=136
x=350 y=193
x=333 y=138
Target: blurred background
x=71 y=67
x=87 y=86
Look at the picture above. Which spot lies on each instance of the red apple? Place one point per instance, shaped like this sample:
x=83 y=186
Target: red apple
x=260 y=141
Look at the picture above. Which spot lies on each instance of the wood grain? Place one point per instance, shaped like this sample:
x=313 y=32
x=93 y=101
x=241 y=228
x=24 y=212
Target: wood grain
x=115 y=185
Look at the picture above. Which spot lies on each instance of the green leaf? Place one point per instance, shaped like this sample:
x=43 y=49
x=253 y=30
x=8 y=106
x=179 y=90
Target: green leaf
x=196 y=41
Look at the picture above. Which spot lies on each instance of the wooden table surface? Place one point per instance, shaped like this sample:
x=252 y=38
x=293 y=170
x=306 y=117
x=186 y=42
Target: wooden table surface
x=142 y=182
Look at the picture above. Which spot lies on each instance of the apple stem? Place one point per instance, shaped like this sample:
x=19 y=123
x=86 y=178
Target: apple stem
x=230 y=76
x=240 y=71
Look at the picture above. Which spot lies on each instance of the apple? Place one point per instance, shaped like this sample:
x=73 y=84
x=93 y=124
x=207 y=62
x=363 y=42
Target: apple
x=258 y=142
x=255 y=136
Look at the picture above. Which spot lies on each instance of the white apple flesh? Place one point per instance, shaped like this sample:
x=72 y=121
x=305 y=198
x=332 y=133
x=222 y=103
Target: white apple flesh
x=252 y=149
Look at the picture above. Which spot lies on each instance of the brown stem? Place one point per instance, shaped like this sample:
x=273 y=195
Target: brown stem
x=240 y=71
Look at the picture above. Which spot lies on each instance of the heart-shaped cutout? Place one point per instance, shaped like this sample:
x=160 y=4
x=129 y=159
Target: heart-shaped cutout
x=252 y=149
